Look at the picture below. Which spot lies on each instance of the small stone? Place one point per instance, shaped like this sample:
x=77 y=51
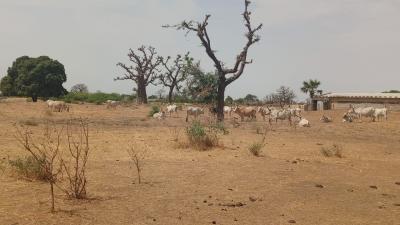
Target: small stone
x=397 y=183
x=205 y=201
x=214 y=222
x=253 y=199
x=319 y=186
x=373 y=187
x=292 y=221
x=396 y=204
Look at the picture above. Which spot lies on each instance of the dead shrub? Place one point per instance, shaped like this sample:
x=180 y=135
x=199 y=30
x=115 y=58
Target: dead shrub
x=44 y=149
x=333 y=151
x=137 y=154
x=75 y=165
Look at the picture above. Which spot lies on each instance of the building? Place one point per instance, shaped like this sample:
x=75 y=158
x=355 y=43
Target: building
x=343 y=100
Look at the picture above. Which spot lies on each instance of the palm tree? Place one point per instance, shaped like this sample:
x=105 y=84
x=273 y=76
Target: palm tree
x=310 y=87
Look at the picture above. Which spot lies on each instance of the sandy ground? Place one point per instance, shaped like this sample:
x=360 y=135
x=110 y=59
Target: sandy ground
x=292 y=183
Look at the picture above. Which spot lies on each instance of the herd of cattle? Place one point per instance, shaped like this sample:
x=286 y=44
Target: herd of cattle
x=292 y=115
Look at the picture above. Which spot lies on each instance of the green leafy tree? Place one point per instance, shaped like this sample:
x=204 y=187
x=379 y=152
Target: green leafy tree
x=34 y=77
x=229 y=100
x=310 y=87
x=201 y=86
x=251 y=99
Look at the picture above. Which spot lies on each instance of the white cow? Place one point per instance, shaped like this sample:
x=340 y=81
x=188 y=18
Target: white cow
x=193 y=111
x=360 y=112
x=112 y=104
x=282 y=114
x=380 y=113
x=228 y=110
x=303 y=123
x=159 y=115
x=264 y=111
x=172 y=109
x=57 y=106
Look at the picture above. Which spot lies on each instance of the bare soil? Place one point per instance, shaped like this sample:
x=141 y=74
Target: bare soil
x=293 y=182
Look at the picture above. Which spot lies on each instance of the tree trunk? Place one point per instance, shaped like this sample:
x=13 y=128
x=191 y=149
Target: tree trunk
x=52 y=197
x=221 y=99
x=170 y=93
x=141 y=92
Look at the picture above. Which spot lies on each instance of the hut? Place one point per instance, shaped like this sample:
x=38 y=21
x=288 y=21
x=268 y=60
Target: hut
x=329 y=101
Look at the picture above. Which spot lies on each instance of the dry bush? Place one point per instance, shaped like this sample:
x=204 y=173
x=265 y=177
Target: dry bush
x=175 y=131
x=45 y=150
x=257 y=147
x=29 y=122
x=137 y=154
x=48 y=112
x=333 y=151
x=75 y=165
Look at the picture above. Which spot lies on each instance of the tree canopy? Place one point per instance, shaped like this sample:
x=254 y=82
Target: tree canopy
x=79 y=88
x=310 y=87
x=34 y=77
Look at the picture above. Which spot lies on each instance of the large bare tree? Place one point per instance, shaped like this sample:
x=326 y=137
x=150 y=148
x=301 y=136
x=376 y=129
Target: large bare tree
x=143 y=71
x=225 y=75
x=175 y=72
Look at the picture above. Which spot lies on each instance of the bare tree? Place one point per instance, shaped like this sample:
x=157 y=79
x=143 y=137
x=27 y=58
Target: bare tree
x=137 y=155
x=176 y=73
x=143 y=71
x=44 y=149
x=75 y=169
x=283 y=96
x=225 y=75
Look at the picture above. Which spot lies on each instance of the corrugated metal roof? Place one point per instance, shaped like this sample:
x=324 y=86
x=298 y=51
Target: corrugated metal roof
x=361 y=95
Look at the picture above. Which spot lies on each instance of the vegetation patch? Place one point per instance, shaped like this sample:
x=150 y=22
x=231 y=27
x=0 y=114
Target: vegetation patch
x=333 y=151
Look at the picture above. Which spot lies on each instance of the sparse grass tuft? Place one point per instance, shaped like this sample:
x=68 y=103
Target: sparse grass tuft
x=333 y=151
x=29 y=168
x=257 y=147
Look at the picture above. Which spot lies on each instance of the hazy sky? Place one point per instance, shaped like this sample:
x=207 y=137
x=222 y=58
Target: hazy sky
x=349 y=45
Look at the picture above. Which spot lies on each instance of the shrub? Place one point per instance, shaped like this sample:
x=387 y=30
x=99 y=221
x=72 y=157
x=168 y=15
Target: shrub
x=96 y=98
x=334 y=150
x=256 y=148
x=154 y=109
x=29 y=167
x=202 y=138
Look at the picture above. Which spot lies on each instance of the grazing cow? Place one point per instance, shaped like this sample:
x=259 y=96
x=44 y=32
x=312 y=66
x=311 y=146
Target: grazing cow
x=360 y=112
x=349 y=117
x=193 y=111
x=282 y=114
x=228 y=110
x=380 y=113
x=159 y=115
x=57 y=106
x=245 y=112
x=263 y=111
x=172 y=109
x=326 y=119
x=112 y=104
x=295 y=111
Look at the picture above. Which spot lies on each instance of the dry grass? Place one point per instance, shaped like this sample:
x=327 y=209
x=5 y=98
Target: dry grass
x=29 y=122
x=256 y=148
x=333 y=151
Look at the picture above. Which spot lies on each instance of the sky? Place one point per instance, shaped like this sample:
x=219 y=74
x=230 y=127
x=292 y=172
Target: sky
x=349 y=45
